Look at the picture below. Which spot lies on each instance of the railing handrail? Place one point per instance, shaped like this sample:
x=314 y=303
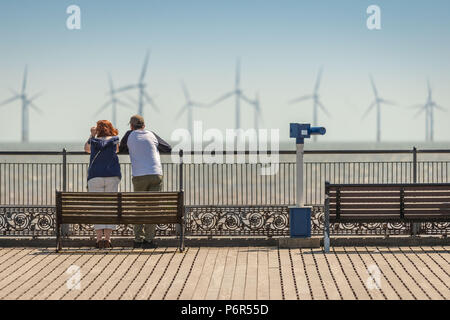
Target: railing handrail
x=235 y=152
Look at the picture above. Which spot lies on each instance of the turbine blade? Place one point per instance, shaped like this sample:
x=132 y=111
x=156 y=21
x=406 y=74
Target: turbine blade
x=111 y=86
x=309 y=96
x=373 y=86
x=417 y=106
x=103 y=107
x=124 y=104
x=37 y=95
x=439 y=107
x=151 y=101
x=248 y=100
x=368 y=110
x=35 y=108
x=319 y=76
x=322 y=107
x=24 y=82
x=185 y=91
x=180 y=113
x=14 y=92
x=9 y=100
x=238 y=72
x=419 y=112
x=389 y=102
x=125 y=88
x=199 y=104
x=144 y=67
x=224 y=97
x=133 y=100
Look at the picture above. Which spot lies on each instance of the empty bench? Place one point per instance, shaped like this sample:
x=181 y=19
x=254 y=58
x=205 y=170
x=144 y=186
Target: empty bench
x=353 y=203
x=119 y=208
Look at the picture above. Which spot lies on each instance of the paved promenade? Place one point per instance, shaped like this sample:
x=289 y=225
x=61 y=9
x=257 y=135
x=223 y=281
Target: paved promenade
x=226 y=273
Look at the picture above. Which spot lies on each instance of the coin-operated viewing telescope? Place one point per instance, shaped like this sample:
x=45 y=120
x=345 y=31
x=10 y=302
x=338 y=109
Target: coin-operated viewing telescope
x=300 y=216
x=302 y=131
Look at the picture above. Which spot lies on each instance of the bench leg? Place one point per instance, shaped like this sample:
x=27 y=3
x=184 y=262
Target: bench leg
x=182 y=236
x=58 y=237
x=183 y=230
x=326 y=229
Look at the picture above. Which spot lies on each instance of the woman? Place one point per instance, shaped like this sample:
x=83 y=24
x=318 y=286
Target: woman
x=104 y=170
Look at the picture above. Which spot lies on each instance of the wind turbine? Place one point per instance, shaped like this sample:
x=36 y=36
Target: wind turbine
x=377 y=103
x=26 y=104
x=113 y=102
x=429 y=113
x=141 y=85
x=188 y=106
x=239 y=95
x=316 y=101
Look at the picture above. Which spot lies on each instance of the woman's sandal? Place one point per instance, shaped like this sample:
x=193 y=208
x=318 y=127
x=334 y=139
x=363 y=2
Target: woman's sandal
x=107 y=243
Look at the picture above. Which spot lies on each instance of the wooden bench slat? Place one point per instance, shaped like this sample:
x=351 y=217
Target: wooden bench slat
x=421 y=199
x=367 y=206
x=149 y=198
x=434 y=193
x=438 y=217
x=150 y=202
x=115 y=208
x=427 y=205
x=91 y=204
x=428 y=211
x=82 y=209
x=366 y=212
x=98 y=212
x=366 y=194
x=355 y=219
x=137 y=220
x=366 y=200
x=139 y=208
x=343 y=188
x=431 y=212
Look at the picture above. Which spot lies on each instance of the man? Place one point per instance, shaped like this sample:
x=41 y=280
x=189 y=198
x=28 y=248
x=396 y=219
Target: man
x=143 y=147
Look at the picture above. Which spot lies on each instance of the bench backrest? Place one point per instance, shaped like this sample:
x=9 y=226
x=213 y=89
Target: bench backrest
x=384 y=202
x=119 y=207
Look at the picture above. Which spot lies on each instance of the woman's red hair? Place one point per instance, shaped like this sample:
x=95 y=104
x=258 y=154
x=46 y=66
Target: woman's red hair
x=106 y=129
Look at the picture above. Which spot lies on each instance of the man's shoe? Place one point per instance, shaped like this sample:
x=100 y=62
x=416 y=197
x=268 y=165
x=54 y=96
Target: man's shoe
x=148 y=244
x=137 y=244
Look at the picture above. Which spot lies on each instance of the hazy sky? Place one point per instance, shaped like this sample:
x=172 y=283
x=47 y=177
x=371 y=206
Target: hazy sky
x=282 y=45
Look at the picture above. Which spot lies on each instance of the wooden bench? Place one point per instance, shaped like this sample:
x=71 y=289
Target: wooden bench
x=354 y=203
x=119 y=208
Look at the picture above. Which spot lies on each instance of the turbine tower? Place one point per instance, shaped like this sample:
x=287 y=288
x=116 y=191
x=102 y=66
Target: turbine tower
x=143 y=96
x=428 y=107
x=188 y=106
x=239 y=95
x=316 y=101
x=113 y=102
x=377 y=103
x=27 y=103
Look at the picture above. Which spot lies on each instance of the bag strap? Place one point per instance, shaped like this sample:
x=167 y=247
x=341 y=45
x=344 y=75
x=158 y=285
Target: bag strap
x=95 y=157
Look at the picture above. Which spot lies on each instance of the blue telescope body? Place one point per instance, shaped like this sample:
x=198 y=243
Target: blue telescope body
x=300 y=131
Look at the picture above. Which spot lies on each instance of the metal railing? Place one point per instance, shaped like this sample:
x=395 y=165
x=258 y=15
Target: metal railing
x=220 y=195
x=34 y=181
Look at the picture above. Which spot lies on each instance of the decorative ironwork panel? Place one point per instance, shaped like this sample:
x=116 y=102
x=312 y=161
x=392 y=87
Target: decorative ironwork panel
x=238 y=220
x=210 y=221
x=388 y=228
x=27 y=221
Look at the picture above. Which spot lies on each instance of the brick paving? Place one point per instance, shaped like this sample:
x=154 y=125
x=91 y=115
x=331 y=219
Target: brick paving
x=226 y=273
